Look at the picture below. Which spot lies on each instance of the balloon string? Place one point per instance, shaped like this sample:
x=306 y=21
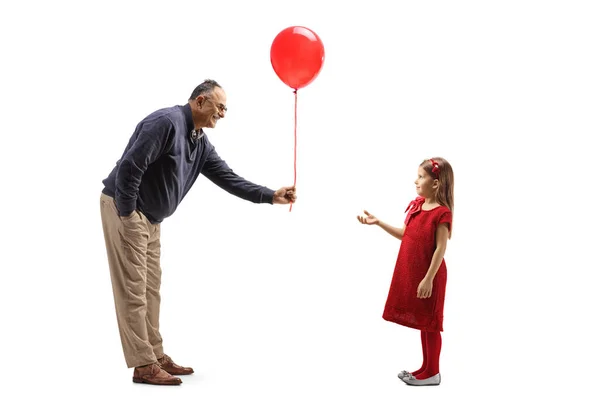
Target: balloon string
x=295 y=135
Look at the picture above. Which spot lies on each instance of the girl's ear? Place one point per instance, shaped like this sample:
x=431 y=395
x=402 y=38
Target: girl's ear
x=436 y=183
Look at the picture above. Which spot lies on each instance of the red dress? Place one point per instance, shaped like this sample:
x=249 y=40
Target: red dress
x=414 y=258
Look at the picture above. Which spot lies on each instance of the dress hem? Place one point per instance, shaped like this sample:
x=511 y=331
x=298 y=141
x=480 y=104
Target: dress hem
x=400 y=321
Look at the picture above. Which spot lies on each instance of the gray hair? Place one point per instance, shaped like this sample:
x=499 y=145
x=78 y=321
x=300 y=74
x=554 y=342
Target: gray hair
x=205 y=87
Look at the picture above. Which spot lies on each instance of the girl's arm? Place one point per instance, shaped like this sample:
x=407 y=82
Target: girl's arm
x=398 y=233
x=370 y=219
x=441 y=239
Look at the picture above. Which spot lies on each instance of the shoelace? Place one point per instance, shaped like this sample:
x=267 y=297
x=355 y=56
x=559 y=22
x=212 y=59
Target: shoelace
x=167 y=360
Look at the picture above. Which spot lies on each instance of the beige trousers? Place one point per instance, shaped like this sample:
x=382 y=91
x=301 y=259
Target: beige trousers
x=133 y=250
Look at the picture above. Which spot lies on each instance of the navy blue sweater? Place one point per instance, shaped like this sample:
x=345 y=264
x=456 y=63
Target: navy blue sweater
x=161 y=163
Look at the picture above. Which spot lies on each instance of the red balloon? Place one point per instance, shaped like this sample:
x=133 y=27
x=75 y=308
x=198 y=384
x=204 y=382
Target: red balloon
x=297 y=56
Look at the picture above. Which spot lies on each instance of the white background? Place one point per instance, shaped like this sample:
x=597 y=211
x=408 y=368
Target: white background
x=270 y=304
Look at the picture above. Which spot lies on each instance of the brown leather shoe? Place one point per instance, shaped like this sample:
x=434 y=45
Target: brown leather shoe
x=154 y=375
x=168 y=365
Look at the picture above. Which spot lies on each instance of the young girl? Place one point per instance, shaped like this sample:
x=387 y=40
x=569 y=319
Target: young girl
x=417 y=291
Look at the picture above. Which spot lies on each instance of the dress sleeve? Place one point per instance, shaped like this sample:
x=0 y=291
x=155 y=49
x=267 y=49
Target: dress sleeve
x=446 y=218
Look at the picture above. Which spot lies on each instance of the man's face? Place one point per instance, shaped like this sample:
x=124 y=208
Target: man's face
x=211 y=107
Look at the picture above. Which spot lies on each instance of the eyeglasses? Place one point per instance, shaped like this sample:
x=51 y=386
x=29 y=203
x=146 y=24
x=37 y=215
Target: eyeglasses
x=222 y=108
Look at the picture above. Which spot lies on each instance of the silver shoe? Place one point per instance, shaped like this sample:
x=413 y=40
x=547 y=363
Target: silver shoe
x=404 y=374
x=432 y=381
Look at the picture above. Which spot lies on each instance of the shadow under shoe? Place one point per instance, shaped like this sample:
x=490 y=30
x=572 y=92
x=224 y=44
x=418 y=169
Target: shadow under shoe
x=153 y=374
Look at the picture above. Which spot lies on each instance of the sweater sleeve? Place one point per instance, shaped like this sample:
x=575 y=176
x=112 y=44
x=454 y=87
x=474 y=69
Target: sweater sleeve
x=146 y=147
x=223 y=176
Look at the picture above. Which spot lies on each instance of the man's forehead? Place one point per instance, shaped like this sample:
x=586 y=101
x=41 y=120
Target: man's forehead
x=219 y=94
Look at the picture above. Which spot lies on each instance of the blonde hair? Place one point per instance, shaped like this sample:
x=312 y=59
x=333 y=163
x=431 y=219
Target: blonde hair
x=445 y=177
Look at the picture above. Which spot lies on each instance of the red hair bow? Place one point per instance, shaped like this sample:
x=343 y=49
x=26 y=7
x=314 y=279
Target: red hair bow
x=436 y=167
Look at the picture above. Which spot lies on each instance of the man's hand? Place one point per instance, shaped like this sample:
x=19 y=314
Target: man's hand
x=285 y=195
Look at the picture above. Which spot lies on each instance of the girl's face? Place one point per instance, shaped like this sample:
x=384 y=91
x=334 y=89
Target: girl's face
x=426 y=186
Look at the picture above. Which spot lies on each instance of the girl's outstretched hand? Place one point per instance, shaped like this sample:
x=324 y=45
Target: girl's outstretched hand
x=369 y=219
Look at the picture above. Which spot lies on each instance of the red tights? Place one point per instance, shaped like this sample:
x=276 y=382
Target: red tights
x=431 y=343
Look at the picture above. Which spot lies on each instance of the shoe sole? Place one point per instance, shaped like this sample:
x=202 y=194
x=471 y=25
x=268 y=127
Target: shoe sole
x=425 y=384
x=179 y=373
x=141 y=380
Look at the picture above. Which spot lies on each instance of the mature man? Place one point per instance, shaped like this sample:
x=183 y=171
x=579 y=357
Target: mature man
x=165 y=155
